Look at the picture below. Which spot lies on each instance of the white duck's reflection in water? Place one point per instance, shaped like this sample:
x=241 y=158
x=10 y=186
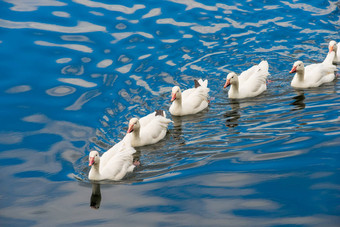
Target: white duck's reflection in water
x=298 y=102
x=96 y=196
x=177 y=132
x=233 y=115
x=183 y=125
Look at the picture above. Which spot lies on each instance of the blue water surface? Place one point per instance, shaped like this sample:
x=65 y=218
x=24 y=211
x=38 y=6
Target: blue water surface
x=74 y=72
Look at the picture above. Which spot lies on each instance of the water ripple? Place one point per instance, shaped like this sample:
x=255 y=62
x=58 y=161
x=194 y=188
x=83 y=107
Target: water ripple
x=27 y=6
x=118 y=8
x=309 y=8
x=124 y=35
x=191 y=4
x=78 y=82
x=76 y=47
x=104 y=63
x=153 y=13
x=61 y=91
x=61 y=14
x=173 y=22
x=82 y=27
x=84 y=98
x=19 y=89
x=124 y=69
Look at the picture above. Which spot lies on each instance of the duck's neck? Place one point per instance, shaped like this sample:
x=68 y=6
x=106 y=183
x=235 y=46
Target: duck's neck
x=94 y=172
x=300 y=75
x=178 y=104
x=329 y=58
x=135 y=137
x=234 y=89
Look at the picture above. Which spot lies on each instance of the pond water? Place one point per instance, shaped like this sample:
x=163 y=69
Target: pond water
x=74 y=72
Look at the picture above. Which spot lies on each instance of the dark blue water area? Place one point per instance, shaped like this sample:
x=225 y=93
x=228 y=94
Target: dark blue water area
x=74 y=72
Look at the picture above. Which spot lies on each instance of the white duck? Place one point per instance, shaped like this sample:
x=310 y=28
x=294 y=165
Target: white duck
x=334 y=47
x=190 y=101
x=113 y=165
x=147 y=130
x=313 y=75
x=250 y=83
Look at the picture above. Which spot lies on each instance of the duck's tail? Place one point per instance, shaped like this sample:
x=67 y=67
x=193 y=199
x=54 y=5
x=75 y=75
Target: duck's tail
x=264 y=65
x=203 y=83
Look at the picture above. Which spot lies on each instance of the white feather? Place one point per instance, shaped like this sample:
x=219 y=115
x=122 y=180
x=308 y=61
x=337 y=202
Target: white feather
x=190 y=101
x=250 y=83
x=114 y=164
x=147 y=130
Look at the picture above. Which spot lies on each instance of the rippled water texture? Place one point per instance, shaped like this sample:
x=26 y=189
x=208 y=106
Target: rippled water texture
x=74 y=72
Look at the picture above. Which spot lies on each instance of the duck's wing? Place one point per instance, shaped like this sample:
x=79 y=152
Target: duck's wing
x=117 y=167
x=327 y=74
x=147 y=119
x=105 y=158
x=246 y=75
x=196 y=101
x=186 y=93
x=155 y=130
x=258 y=79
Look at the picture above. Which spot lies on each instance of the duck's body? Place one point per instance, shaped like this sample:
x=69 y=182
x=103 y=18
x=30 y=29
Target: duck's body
x=113 y=165
x=250 y=83
x=147 y=130
x=190 y=101
x=313 y=75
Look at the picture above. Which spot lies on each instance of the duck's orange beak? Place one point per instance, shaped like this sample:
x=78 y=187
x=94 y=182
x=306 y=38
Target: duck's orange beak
x=91 y=161
x=227 y=83
x=331 y=48
x=293 y=70
x=130 y=128
x=173 y=97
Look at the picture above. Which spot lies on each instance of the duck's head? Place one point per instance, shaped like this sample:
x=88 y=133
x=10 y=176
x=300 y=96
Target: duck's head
x=175 y=93
x=231 y=79
x=332 y=46
x=93 y=158
x=133 y=125
x=297 y=67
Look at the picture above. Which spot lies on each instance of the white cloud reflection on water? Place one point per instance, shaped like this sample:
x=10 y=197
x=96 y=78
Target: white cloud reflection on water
x=82 y=27
x=211 y=200
x=29 y=5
